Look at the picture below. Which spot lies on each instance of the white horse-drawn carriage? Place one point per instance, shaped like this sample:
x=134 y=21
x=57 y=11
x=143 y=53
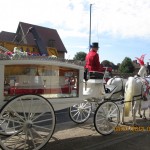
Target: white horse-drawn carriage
x=33 y=88
x=114 y=99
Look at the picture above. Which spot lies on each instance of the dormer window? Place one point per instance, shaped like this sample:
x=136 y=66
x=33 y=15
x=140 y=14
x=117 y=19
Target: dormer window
x=51 y=43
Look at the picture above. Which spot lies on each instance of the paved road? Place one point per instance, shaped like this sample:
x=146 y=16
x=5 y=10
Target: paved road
x=70 y=136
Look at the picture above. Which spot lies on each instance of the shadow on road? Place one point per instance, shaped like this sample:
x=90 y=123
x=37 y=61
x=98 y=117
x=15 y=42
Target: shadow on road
x=70 y=136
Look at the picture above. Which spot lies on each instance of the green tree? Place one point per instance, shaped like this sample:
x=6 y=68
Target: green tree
x=80 y=56
x=126 y=66
x=107 y=63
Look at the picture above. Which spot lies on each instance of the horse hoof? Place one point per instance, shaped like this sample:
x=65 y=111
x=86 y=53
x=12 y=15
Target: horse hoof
x=145 y=118
x=122 y=123
x=135 y=125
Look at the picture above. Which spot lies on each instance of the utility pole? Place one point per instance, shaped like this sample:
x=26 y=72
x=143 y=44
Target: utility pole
x=90 y=28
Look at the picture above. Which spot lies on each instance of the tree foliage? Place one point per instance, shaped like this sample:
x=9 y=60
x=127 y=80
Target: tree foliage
x=80 y=56
x=126 y=66
x=107 y=63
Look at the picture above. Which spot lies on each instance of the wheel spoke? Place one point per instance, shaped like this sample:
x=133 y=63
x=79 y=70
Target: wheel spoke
x=77 y=112
x=38 y=134
x=113 y=111
x=87 y=107
x=87 y=111
x=16 y=113
x=100 y=114
x=25 y=142
x=30 y=106
x=113 y=115
x=85 y=104
x=45 y=120
x=76 y=106
x=11 y=120
x=101 y=119
x=32 y=138
x=38 y=116
x=110 y=110
x=40 y=127
x=23 y=108
x=78 y=115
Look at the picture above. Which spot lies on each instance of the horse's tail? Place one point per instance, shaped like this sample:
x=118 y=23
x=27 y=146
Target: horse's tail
x=129 y=92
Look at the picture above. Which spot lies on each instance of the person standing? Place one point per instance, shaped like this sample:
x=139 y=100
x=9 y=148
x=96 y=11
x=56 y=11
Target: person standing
x=92 y=62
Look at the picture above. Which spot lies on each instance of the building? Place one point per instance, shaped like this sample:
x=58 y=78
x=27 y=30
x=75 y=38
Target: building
x=26 y=40
x=148 y=68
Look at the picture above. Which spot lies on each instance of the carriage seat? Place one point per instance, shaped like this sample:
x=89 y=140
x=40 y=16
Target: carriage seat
x=96 y=75
x=93 y=88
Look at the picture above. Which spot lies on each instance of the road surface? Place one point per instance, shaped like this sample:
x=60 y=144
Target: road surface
x=70 y=136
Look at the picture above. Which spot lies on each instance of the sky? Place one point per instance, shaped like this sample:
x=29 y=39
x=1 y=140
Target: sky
x=122 y=27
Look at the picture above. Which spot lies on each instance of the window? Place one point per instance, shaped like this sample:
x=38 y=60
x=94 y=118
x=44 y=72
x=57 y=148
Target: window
x=51 y=43
x=47 y=80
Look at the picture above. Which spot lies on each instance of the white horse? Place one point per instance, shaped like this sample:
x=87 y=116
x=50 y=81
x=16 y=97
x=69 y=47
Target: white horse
x=136 y=95
x=135 y=91
x=146 y=104
x=120 y=83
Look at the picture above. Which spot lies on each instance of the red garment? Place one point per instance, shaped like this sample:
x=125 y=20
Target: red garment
x=92 y=61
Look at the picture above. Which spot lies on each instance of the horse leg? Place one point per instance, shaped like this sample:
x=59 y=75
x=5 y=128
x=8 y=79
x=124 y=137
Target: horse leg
x=134 y=110
x=144 y=116
x=139 y=111
x=144 y=111
x=149 y=113
x=122 y=120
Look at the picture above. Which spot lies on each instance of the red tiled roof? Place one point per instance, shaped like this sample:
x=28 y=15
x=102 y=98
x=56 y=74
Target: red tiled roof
x=45 y=34
x=7 y=36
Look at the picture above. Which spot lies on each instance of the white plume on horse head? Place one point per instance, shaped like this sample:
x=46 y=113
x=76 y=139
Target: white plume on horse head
x=143 y=71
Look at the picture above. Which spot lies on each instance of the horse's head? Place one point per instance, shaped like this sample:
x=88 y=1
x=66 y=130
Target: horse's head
x=143 y=70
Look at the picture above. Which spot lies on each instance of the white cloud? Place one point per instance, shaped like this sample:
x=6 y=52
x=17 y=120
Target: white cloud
x=71 y=33
x=128 y=18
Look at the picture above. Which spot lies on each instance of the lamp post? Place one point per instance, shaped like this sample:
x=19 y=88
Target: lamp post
x=90 y=28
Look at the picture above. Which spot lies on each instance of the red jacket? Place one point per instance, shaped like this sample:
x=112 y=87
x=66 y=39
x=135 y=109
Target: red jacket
x=92 y=61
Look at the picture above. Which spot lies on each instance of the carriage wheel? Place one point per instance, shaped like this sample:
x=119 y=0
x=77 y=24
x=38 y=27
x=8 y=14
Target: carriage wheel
x=106 y=117
x=79 y=113
x=31 y=121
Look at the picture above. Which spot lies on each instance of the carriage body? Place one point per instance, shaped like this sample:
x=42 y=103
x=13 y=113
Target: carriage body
x=58 y=81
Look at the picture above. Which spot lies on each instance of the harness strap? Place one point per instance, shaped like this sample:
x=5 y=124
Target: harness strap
x=144 y=83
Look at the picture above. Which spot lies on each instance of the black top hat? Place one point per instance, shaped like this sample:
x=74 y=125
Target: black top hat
x=95 y=45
